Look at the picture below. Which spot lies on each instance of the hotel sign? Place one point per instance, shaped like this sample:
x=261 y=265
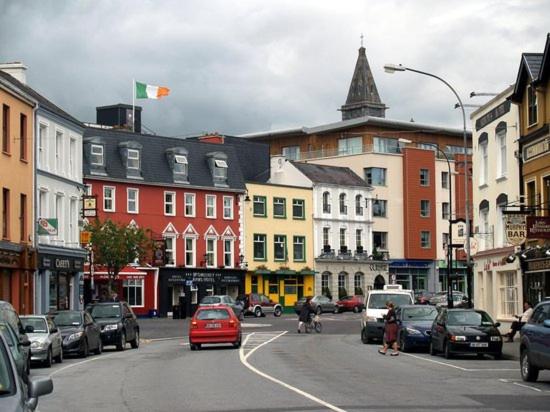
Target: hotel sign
x=494 y=114
x=536 y=149
x=516 y=230
x=538 y=227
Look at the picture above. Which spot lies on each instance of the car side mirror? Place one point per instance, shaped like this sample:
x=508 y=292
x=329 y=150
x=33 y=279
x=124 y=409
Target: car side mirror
x=497 y=324
x=24 y=341
x=546 y=323
x=54 y=330
x=29 y=329
x=38 y=387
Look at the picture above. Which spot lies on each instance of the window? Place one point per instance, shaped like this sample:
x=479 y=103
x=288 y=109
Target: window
x=299 y=243
x=59 y=212
x=445 y=239
x=189 y=200
x=42 y=140
x=358 y=207
x=108 y=199
x=5 y=213
x=259 y=247
x=425 y=208
x=59 y=150
x=279 y=207
x=180 y=164
x=133 y=292
x=444 y=180
x=211 y=206
x=386 y=145
x=170 y=203
x=484 y=164
x=23 y=218
x=22 y=136
x=133 y=159
x=343 y=206
x=279 y=247
x=424 y=177
x=425 y=239
x=326 y=236
x=375 y=176
x=326 y=202
x=484 y=223
x=532 y=105
x=133 y=200
x=96 y=155
x=508 y=294
x=343 y=237
x=379 y=208
x=228 y=207
x=210 y=252
x=298 y=209
x=428 y=146
x=501 y=161
x=5 y=128
x=291 y=152
x=259 y=206
x=445 y=211
x=228 y=253
x=72 y=157
x=220 y=169
x=325 y=280
x=170 y=250
x=42 y=203
x=380 y=240
x=358 y=238
x=343 y=280
x=73 y=238
x=358 y=280
x=190 y=252
x=350 y=145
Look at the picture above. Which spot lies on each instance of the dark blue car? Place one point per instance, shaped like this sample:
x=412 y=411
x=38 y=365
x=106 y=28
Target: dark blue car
x=535 y=343
x=414 y=325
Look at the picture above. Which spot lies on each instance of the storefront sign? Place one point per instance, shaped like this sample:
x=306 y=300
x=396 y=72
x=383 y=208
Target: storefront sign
x=61 y=263
x=516 y=231
x=47 y=227
x=538 y=227
x=536 y=149
x=89 y=206
x=538 y=265
x=195 y=277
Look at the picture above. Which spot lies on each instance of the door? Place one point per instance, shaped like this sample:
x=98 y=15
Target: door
x=438 y=330
x=55 y=338
x=267 y=306
x=93 y=331
x=129 y=322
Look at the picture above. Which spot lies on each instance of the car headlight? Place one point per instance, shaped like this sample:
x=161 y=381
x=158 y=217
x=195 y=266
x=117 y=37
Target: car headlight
x=458 y=338
x=412 y=331
x=113 y=326
x=38 y=345
x=75 y=336
x=496 y=338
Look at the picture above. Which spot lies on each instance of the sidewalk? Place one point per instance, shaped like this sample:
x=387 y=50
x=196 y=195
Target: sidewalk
x=511 y=350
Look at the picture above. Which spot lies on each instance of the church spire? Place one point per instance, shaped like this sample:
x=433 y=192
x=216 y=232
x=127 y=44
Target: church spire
x=363 y=98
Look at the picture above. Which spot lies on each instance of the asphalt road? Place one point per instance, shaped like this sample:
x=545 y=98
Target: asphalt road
x=281 y=371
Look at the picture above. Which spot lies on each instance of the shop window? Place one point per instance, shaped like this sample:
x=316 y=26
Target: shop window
x=273 y=286
x=133 y=292
x=291 y=286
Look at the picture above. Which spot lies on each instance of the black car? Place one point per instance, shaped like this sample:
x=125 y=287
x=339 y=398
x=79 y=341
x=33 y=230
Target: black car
x=456 y=331
x=535 y=343
x=79 y=332
x=118 y=323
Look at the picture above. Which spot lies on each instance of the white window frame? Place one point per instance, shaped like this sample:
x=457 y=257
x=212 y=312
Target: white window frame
x=220 y=169
x=112 y=198
x=172 y=203
x=173 y=249
x=483 y=163
x=59 y=213
x=72 y=156
x=213 y=206
x=186 y=197
x=429 y=243
x=229 y=253
x=502 y=164
x=425 y=212
x=42 y=141
x=133 y=284
x=213 y=252
x=228 y=216
x=343 y=236
x=100 y=155
x=42 y=203
x=358 y=237
x=326 y=236
x=59 y=137
x=181 y=160
x=136 y=200
x=73 y=221
x=291 y=152
x=133 y=155
x=508 y=294
x=193 y=251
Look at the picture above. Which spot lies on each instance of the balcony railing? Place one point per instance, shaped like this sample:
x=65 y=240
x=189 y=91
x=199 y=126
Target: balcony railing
x=348 y=255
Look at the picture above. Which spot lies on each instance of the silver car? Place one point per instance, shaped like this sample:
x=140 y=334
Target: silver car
x=224 y=300
x=45 y=337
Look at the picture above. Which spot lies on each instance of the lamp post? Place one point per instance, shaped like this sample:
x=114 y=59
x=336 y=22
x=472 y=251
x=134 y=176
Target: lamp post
x=392 y=68
x=450 y=240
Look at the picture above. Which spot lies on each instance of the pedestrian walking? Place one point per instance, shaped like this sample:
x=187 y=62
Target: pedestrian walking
x=305 y=313
x=390 y=331
x=522 y=320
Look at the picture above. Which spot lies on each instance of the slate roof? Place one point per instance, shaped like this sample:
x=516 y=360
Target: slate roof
x=42 y=101
x=154 y=164
x=533 y=67
x=334 y=175
x=533 y=62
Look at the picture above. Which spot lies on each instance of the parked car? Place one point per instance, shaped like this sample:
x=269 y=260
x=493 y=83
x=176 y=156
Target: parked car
x=319 y=303
x=79 y=332
x=9 y=314
x=354 y=303
x=19 y=355
x=422 y=297
x=16 y=395
x=460 y=300
x=45 y=337
x=535 y=343
x=217 y=324
x=118 y=323
x=226 y=300
x=258 y=305
x=462 y=331
x=414 y=323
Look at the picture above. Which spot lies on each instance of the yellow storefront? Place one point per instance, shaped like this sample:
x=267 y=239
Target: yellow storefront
x=279 y=242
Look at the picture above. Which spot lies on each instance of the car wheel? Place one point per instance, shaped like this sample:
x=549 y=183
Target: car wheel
x=356 y=309
x=85 y=350
x=99 y=347
x=402 y=345
x=319 y=310
x=122 y=343
x=59 y=358
x=258 y=312
x=529 y=372
x=48 y=362
x=446 y=351
x=498 y=356
x=433 y=352
x=237 y=344
x=278 y=311
x=364 y=336
x=135 y=342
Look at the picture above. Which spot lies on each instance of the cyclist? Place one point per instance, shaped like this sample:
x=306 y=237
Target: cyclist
x=305 y=313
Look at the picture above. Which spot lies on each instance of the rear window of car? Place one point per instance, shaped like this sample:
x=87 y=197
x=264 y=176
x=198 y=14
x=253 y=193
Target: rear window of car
x=213 y=314
x=425 y=313
x=469 y=318
x=104 y=311
x=208 y=300
x=378 y=300
x=67 y=318
x=38 y=324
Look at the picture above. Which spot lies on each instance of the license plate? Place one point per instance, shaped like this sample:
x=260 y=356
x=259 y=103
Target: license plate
x=213 y=325
x=479 y=345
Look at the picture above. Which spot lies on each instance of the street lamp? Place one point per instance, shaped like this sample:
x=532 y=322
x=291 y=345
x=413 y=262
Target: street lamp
x=392 y=68
x=450 y=239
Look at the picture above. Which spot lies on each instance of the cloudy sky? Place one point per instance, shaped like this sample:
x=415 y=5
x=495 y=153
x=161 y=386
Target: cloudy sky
x=245 y=66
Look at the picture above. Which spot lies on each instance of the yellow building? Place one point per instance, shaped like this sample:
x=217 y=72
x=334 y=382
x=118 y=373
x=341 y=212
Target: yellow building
x=279 y=242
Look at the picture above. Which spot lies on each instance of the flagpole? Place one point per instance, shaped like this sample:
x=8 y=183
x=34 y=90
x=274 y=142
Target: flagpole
x=133 y=105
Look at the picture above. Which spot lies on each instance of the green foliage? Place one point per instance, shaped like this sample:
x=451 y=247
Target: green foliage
x=359 y=291
x=326 y=292
x=342 y=292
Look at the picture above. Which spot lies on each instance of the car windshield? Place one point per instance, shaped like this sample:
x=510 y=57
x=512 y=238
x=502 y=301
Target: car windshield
x=424 y=313
x=38 y=324
x=213 y=314
x=68 y=318
x=378 y=300
x=6 y=377
x=105 y=311
x=469 y=318
x=208 y=300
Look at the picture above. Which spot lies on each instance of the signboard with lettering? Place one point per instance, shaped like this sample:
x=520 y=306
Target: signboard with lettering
x=536 y=149
x=540 y=265
x=516 y=231
x=47 y=227
x=89 y=206
x=494 y=114
x=538 y=227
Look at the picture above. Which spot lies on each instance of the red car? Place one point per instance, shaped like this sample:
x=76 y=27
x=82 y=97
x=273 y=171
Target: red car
x=214 y=324
x=354 y=303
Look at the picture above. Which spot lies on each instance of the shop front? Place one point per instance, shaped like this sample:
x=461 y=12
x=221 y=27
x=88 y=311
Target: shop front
x=181 y=290
x=459 y=275
x=536 y=280
x=17 y=263
x=417 y=275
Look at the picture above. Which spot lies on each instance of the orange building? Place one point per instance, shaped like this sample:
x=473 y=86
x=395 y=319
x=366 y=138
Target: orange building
x=17 y=255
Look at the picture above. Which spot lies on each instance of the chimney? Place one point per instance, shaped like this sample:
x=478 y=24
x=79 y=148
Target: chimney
x=119 y=116
x=214 y=138
x=15 y=69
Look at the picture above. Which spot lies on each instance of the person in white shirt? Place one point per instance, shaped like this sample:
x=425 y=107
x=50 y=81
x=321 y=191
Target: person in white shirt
x=522 y=320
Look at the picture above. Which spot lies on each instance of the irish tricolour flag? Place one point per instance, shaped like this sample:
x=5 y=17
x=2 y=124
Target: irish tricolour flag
x=146 y=91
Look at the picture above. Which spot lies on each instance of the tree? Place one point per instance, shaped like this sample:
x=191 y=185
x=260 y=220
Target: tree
x=116 y=245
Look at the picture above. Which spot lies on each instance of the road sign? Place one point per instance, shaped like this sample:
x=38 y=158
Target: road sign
x=47 y=227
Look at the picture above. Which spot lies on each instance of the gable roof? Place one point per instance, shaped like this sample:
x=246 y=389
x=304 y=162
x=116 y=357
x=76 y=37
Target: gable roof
x=533 y=68
x=333 y=175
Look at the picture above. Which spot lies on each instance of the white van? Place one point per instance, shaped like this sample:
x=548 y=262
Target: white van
x=372 y=321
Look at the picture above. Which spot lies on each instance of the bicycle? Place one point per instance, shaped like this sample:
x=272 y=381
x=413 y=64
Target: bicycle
x=314 y=323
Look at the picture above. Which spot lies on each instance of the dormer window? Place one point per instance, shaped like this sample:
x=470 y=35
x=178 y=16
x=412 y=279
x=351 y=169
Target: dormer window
x=96 y=155
x=220 y=169
x=130 y=155
x=133 y=159
x=180 y=164
x=217 y=162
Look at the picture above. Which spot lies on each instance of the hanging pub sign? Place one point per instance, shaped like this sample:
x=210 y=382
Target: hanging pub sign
x=159 y=253
x=47 y=227
x=538 y=227
x=89 y=206
x=516 y=231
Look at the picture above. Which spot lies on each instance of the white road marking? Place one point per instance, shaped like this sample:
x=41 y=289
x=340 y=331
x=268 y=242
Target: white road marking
x=516 y=382
x=459 y=367
x=161 y=339
x=527 y=386
x=255 y=325
x=244 y=361
x=72 y=365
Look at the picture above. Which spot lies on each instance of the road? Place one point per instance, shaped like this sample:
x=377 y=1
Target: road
x=279 y=370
